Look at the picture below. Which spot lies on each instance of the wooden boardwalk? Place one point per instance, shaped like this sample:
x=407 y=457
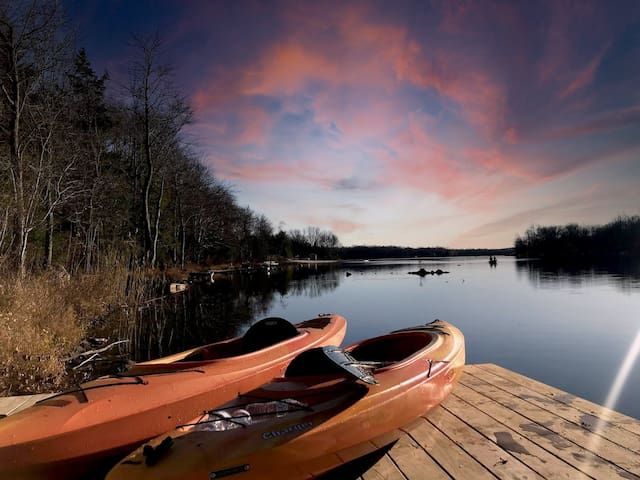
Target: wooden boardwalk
x=500 y=424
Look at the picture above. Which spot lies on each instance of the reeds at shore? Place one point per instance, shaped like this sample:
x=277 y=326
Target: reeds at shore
x=46 y=317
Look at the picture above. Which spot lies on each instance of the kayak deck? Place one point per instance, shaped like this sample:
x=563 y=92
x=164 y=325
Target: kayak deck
x=496 y=424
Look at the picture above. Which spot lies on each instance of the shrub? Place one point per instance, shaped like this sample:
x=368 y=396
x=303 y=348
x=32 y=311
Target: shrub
x=44 y=319
x=38 y=330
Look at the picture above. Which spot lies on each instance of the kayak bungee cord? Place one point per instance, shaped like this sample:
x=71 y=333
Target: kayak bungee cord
x=288 y=401
x=238 y=419
x=138 y=381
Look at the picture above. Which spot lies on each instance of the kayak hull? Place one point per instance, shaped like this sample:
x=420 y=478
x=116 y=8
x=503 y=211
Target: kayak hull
x=406 y=392
x=416 y=370
x=199 y=451
x=71 y=434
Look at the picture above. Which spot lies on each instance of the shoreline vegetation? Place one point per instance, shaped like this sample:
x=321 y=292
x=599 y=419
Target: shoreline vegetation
x=48 y=320
x=619 y=238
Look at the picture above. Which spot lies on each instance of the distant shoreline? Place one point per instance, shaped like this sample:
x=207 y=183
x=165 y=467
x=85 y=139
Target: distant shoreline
x=379 y=252
x=307 y=262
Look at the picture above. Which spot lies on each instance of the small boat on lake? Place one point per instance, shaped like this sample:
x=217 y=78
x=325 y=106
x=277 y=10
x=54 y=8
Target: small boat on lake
x=401 y=376
x=69 y=434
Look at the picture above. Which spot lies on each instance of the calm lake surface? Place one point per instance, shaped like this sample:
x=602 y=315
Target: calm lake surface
x=570 y=328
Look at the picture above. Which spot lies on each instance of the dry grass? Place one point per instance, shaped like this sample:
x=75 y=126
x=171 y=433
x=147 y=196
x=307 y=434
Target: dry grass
x=38 y=329
x=45 y=317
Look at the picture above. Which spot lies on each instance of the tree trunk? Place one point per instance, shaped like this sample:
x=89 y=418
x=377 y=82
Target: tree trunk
x=150 y=169
x=13 y=97
x=48 y=237
x=183 y=244
x=154 y=252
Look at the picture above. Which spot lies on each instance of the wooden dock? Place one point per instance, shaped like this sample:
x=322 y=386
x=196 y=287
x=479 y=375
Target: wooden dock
x=500 y=424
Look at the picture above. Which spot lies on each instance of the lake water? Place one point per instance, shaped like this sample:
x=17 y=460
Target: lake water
x=574 y=329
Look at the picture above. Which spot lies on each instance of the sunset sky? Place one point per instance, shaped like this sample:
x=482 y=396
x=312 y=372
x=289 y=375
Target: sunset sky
x=449 y=123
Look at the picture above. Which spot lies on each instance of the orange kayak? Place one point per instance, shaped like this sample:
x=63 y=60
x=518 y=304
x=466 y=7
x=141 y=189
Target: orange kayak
x=412 y=371
x=265 y=333
x=70 y=434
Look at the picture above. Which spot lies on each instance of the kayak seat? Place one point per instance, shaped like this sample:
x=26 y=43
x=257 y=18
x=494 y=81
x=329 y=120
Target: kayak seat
x=328 y=360
x=267 y=332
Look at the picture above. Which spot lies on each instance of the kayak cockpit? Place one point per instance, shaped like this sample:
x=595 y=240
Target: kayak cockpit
x=393 y=348
x=359 y=361
x=263 y=334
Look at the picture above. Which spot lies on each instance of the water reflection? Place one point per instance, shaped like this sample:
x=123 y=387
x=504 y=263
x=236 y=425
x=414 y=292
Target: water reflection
x=522 y=315
x=207 y=313
x=311 y=282
x=624 y=275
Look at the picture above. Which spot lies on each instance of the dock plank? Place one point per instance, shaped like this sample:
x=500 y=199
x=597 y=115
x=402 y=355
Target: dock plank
x=590 y=408
x=412 y=460
x=384 y=469
x=486 y=452
x=596 y=425
x=520 y=446
x=11 y=405
x=573 y=453
x=456 y=461
x=545 y=423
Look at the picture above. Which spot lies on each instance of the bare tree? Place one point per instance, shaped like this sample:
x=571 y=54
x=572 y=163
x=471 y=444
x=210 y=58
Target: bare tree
x=31 y=54
x=90 y=124
x=160 y=113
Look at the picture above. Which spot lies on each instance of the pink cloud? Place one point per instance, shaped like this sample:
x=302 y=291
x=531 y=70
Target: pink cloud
x=336 y=224
x=495 y=160
x=558 y=47
x=258 y=171
x=361 y=53
x=351 y=72
x=344 y=226
x=480 y=96
x=472 y=178
x=361 y=56
x=313 y=169
x=359 y=116
x=250 y=125
x=598 y=123
x=455 y=15
x=421 y=162
x=578 y=208
x=286 y=68
x=584 y=77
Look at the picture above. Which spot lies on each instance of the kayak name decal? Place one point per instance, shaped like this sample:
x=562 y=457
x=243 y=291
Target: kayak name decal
x=294 y=428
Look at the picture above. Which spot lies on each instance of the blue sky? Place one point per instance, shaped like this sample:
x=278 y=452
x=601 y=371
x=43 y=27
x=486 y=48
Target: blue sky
x=451 y=123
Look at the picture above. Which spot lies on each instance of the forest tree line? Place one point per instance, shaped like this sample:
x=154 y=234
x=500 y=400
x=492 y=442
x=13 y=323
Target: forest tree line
x=89 y=166
x=390 y=251
x=621 y=237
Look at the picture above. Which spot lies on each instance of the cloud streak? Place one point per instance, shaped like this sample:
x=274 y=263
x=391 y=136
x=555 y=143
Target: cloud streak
x=465 y=101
